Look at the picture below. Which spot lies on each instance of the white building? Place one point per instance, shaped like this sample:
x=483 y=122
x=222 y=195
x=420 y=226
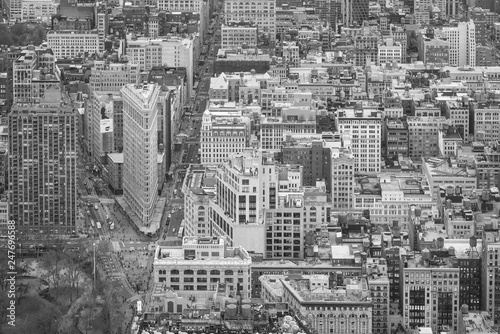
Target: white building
x=392 y=196
x=140 y=151
x=389 y=53
x=180 y=6
x=71 y=44
x=111 y=77
x=170 y=51
x=236 y=209
x=462 y=43
x=223 y=134
x=234 y=36
x=198 y=188
x=263 y=13
x=13 y=9
x=40 y=11
x=200 y=265
x=365 y=127
x=293 y=120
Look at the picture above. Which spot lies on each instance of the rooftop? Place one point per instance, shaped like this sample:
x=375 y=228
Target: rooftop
x=478 y=322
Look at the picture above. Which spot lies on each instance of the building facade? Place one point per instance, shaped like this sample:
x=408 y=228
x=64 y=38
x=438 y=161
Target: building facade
x=140 y=149
x=42 y=165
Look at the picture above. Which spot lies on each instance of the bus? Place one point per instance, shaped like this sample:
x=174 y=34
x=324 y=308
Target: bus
x=92 y=222
x=98 y=225
x=181 y=232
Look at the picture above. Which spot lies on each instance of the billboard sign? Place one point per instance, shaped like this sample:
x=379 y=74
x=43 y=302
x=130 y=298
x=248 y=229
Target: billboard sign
x=106 y=117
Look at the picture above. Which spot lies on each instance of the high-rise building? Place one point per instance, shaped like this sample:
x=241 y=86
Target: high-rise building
x=342 y=170
x=365 y=127
x=140 y=149
x=235 y=212
x=462 y=43
x=42 y=165
x=490 y=300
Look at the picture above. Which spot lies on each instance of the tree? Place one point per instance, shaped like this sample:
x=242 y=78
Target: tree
x=52 y=263
x=72 y=263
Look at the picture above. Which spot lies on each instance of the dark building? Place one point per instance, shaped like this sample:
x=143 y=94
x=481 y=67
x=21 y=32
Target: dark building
x=396 y=138
x=42 y=165
x=78 y=9
x=60 y=22
x=329 y=11
x=325 y=122
x=470 y=280
x=393 y=257
x=135 y=17
x=314 y=158
x=241 y=63
x=178 y=22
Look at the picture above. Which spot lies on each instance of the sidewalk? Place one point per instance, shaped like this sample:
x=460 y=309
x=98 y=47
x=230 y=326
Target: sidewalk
x=136 y=222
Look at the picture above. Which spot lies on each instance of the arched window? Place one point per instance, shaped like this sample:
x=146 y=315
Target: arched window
x=188 y=272
x=201 y=272
x=214 y=272
x=174 y=272
x=228 y=273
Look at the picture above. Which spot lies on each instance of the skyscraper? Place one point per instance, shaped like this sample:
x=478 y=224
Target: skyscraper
x=42 y=164
x=462 y=43
x=140 y=148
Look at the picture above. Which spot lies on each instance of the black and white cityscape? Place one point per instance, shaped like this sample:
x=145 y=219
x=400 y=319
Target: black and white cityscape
x=250 y=167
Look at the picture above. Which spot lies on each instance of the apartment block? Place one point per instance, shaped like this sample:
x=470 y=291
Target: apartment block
x=42 y=186
x=424 y=136
x=431 y=292
x=458 y=112
x=486 y=118
x=490 y=299
x=397 y=138
x=364 y=125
